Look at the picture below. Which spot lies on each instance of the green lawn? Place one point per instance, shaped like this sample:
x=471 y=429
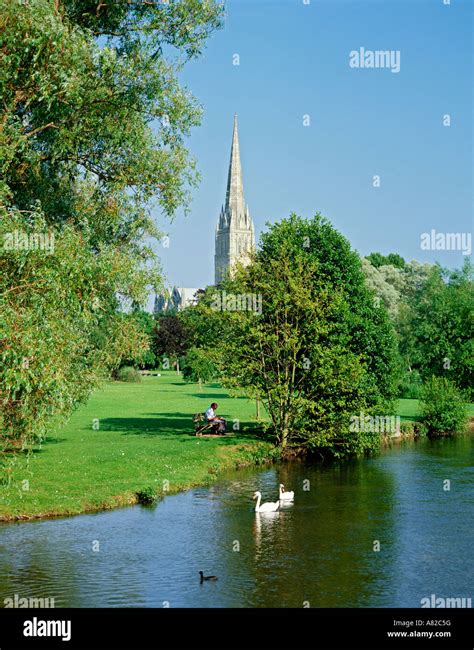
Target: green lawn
x=409 y=409
x=145 y=437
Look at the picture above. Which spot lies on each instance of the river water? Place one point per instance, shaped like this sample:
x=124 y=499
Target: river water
x=319 y=552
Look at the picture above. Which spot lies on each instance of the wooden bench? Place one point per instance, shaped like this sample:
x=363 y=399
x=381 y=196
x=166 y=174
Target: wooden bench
x=201 y=425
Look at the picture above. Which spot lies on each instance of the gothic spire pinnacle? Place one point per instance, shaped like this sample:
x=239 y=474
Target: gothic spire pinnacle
x=235 y=232
x=235 y=200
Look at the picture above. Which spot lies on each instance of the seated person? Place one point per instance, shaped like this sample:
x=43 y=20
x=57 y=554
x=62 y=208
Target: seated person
x=211 y=417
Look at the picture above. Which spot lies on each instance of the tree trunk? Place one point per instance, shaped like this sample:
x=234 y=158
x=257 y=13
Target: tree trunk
x=284 y=432
x=177 y=366
x=257 y=404
x=200 y=384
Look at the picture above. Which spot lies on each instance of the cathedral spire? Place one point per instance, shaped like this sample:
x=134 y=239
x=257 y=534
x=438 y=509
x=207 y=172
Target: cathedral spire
x=235 y=232
x=235 y=200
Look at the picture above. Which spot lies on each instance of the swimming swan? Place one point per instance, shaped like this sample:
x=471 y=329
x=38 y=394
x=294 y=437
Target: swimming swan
x=265 y=507
x=286 y=496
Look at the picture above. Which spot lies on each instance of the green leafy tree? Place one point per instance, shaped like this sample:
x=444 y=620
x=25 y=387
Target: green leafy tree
x=92 y=128
x=204 y=325
x=198 y=367
x=393 y=259
x=89 y=119
x=394 y=285
x=60 y=331
x=169 y=339
x=366 y=329
x=395 y=288
x=415 y=276
x=437 y=327
x=145 y=324
x=319 y=351
x=386 y=282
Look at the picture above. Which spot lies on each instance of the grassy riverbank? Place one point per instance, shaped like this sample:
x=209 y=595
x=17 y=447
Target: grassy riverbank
x=145 y=439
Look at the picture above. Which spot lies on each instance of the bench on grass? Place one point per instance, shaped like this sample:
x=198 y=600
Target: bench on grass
x=201 y=425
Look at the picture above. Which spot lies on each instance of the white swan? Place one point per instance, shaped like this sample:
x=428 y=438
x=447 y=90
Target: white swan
x=286 y=496
x=265 y=507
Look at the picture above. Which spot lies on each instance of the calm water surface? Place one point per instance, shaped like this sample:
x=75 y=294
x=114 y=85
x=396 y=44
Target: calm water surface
x=318 y=550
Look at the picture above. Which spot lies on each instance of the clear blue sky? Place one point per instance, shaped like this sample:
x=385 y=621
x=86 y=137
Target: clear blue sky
x=294 y=60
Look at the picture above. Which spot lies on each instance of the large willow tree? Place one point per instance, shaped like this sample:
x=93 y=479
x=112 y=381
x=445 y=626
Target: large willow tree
x=92 y=128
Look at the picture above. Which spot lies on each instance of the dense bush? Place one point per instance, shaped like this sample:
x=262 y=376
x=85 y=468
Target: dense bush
x=443 y=407
x=129 y=374
x=413 y=429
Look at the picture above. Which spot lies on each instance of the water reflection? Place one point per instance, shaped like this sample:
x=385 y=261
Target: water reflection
x=267 y=521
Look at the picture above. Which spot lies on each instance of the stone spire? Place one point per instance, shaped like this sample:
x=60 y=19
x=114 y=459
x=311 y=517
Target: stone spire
x=235 y=234
x=234 y=198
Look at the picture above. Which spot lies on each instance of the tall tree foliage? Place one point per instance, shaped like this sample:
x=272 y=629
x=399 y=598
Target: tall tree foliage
x=437 y=327
x=92 y=128
x=365 y=327
x=145 y=324
x=169 y=339
x=60 y=331
x=394 y=285
x=393 y=259
x=320 y=351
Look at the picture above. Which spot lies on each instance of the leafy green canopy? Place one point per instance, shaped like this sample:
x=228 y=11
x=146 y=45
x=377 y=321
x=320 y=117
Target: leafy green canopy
x=363 y=324
x=393 y=285
x=437 y=327
x=432 y=310
x=144 y=322
x=317 y=352
x=92 y=128
x=59 y=326
x=198 y=366
x=393 y=259
x=74 y=111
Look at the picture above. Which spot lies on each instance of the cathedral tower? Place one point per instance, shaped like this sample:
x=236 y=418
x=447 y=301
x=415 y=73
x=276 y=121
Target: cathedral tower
x=235 y=232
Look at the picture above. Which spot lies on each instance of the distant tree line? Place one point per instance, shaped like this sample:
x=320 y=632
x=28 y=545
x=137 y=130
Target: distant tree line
x=432 y=311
